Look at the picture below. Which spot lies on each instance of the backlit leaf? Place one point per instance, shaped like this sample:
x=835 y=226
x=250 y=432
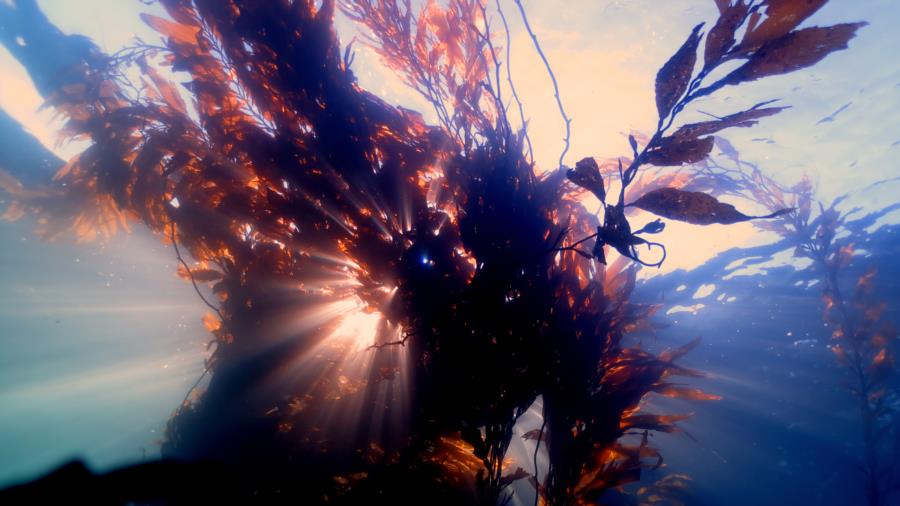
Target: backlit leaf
x=679 y=392
x=205 y=275
x=168 y=92
x=674 y=151
x=675 y=353
x=782 y=16
x=586 y=174
x=673 y=78
x=882 y=365
x=741 y=119
x=176 y=31
x=211 y=322
x=694 y=207
x=534 y=434
x=794 y=51
x=721 y=37
x=508 y=479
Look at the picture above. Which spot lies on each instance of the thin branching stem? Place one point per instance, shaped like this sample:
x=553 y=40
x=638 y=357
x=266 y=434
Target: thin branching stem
x=191 y=274
x=537 y=447
x=540 y=51
x=202 y=297
x=512 y=84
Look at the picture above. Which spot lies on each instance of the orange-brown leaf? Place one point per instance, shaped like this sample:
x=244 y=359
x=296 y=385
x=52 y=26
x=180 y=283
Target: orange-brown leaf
x=721 y=37
x=185 y=34
x=782 y=16
x=794 y=51
x=535 y=434
x=205 y=275
x=882 y=366
x=169 y=93
x=674 y=151
x=694 y=207
x=211 y=322
x=673 y=78
x=675 y=353
x=679 y=392
x=741 y=119
x=586 y=174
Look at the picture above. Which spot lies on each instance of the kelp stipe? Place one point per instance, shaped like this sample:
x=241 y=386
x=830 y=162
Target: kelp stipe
x=862 y=339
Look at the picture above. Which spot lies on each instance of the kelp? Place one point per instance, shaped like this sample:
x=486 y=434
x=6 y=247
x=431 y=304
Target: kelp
x=293 y=190
x=862 y=339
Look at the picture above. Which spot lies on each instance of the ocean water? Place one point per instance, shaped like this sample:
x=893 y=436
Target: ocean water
x=100 y=342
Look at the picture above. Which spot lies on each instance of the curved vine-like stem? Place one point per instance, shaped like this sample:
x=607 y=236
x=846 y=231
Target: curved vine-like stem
x=540 y=51
x=202 y=297
x=650 y=244
x=537 y=446
x=512 y=84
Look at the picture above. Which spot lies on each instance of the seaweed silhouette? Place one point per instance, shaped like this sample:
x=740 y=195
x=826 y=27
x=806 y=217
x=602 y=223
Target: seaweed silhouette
x=289 y=193
x=862 y=339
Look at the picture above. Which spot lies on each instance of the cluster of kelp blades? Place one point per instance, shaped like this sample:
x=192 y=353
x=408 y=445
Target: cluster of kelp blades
x=296 y=190
x=862 y=338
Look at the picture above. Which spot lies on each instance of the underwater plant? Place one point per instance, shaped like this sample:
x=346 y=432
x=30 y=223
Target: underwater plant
x=387 y=297
x=863 y=340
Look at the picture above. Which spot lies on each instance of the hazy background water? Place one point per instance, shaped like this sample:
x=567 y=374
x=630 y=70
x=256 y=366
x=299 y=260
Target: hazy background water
x=99 y=342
